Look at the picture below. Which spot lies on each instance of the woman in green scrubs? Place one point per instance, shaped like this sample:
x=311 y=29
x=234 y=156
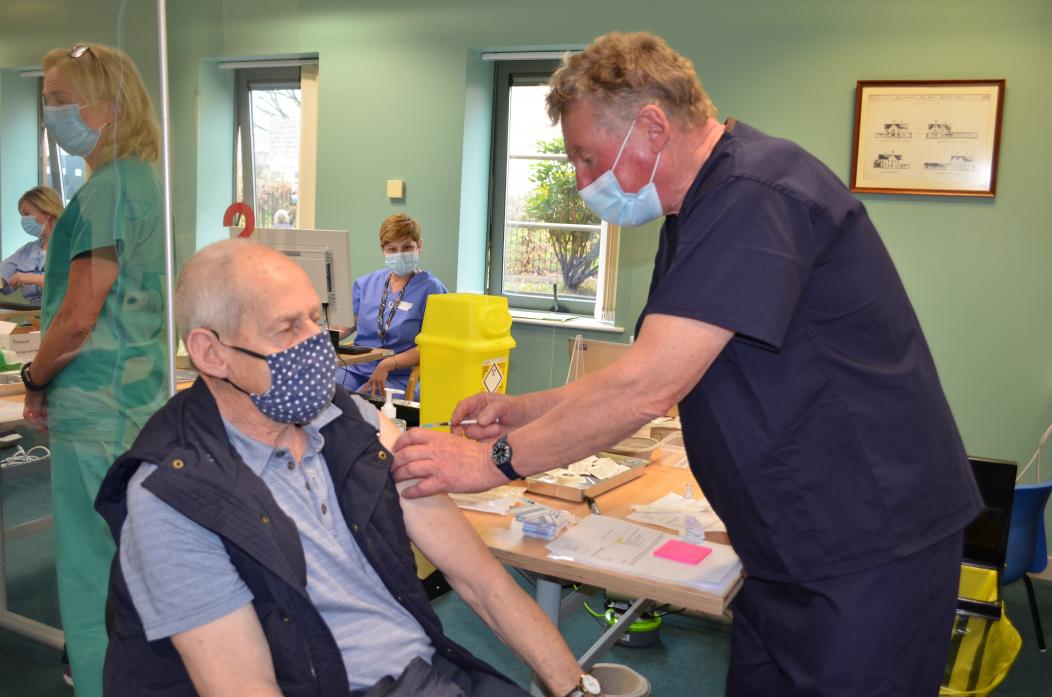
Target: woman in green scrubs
x=99 y=373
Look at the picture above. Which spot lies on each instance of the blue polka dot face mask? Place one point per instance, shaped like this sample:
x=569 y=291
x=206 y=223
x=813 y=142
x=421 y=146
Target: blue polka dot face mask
x=302 y=380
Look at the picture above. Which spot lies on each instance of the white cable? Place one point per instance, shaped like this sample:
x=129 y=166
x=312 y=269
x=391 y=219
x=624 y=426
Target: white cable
x=1036 y=457
x=24 y=457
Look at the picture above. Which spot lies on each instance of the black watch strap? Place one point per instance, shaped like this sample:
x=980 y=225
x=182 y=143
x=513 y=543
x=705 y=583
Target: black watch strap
x=28 y=381
x=508 y=471
x=501 y=456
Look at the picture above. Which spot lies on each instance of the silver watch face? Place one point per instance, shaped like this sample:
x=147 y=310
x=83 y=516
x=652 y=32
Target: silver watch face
x=590 y=685
x=501 y=452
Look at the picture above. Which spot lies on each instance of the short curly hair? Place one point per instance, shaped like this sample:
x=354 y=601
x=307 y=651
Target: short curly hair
x=398 y=227
x=623 y=72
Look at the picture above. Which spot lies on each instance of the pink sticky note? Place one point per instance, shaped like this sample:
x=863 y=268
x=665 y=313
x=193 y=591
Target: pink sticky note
x=684 y=552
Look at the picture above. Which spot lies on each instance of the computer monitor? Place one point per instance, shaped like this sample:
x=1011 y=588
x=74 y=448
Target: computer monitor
x=326 y=258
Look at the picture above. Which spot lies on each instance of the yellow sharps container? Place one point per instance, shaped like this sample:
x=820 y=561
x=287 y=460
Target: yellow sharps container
x=464 y=345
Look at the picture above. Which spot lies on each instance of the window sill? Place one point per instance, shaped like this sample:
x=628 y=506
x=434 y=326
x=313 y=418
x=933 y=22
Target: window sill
x=566 y=321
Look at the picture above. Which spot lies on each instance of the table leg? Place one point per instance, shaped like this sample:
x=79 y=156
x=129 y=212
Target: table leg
x=549 y=598
x=29 y=628
x=610 y=636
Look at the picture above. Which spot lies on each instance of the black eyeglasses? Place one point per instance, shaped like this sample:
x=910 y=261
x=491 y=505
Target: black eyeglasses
x=79 y=50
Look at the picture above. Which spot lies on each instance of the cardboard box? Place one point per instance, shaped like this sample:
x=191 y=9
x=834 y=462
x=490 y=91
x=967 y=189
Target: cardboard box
x=537 y=484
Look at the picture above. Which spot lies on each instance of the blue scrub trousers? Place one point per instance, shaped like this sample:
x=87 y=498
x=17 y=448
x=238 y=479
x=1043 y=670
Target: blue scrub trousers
x=882 y=632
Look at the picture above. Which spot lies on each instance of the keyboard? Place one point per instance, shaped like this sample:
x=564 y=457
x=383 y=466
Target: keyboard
x=352 y=350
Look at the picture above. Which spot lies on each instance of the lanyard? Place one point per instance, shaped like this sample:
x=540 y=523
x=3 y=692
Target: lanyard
x=381 y=327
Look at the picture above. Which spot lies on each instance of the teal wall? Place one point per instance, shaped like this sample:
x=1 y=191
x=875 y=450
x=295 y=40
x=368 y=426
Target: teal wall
x=19 y=97
x=404 y=95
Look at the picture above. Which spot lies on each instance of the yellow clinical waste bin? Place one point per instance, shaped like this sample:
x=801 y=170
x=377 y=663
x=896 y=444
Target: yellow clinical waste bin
x=464 y=345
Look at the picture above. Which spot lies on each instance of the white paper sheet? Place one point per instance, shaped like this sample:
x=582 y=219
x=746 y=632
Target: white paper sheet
x=671 y=510
x=629 y=548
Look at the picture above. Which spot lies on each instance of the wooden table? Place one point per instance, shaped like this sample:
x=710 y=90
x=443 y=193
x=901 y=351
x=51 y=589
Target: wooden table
x=374 y=355
x=508 y=545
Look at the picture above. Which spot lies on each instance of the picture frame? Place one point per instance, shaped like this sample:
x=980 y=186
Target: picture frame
x=927 y=137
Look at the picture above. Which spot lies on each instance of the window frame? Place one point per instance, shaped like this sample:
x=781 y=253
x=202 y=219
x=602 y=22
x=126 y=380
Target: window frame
x=273 y=77
x=524 y=72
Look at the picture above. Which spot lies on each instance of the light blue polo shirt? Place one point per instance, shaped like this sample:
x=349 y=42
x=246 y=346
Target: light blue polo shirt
x=163 y=553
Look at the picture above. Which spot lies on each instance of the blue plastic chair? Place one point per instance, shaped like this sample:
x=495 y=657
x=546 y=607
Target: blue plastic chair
x=1027 y=550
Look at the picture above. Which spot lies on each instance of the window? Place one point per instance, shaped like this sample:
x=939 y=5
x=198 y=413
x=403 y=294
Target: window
x=544 y=242
x=268 y=143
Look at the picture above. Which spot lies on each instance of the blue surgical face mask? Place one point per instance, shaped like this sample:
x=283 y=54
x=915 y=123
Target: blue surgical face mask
x=302 y=380
x=402 y=263
x=609 y=201
x=68 y=129
x=31 y=226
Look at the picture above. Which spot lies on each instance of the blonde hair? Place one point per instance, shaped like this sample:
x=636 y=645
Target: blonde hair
x=399 y=227
x=44 y=199
x=624 y=72
x=106 y=74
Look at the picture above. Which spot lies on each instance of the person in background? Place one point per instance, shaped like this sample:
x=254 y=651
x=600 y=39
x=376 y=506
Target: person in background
x=812 y=412
x=99 y=372
x=40 y=208
x=389 y=309
x=305 y=584
x=281 y=218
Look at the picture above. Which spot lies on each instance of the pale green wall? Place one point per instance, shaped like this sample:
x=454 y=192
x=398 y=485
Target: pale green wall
x=19 y=97
x=398 y=86
x=402 y=97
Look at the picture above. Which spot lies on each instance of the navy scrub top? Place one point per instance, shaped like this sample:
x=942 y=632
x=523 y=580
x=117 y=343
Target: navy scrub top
x=821 y=434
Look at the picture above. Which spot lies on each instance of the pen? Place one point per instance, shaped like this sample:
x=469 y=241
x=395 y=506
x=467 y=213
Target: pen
x=436 y=424
x=592 y=505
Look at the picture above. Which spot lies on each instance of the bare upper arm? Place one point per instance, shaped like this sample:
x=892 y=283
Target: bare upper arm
x=229 y=657
x=441 y=531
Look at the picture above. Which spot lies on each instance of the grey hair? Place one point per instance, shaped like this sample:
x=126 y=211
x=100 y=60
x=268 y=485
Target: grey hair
x=210 y=293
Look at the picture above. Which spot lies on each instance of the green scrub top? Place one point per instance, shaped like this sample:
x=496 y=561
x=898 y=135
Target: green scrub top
x=116 y=381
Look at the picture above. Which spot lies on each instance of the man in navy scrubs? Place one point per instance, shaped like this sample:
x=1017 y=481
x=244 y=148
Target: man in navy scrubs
x=812 y=412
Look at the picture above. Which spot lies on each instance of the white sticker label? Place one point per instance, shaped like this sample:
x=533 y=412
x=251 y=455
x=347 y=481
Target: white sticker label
x=406 y=306
x=493 y=377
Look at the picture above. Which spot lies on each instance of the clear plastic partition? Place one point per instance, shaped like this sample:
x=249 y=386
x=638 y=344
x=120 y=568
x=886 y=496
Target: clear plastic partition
x=84 y=307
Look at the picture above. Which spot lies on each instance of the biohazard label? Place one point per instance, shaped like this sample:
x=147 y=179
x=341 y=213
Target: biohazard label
x=493 y=375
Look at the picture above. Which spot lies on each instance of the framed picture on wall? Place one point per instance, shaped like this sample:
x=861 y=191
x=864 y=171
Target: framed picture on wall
x=928 y=137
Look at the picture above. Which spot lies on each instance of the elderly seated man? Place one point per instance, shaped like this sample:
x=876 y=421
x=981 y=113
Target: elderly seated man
x=263 y=548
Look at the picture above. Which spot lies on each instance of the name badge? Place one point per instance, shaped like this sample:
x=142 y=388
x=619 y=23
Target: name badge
x=406 y=306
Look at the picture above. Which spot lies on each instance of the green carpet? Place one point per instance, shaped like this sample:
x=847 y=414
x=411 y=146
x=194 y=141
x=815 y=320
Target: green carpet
x=690 y=660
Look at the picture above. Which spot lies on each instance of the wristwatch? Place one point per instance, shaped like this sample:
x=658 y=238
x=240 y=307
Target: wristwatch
x=587 y=686
x=28 y=381
x=501 y=456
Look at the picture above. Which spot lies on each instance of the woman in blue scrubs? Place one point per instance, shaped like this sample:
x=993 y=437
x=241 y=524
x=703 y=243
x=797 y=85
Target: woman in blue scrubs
x=40 y=208
x=389 y=309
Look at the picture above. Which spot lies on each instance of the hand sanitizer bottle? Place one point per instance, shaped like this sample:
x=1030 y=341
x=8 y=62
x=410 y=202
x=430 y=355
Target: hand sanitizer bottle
x=388 y=409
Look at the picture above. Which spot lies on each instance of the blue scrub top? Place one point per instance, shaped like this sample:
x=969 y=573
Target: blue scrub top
x=405 y=324
x=820 y=434
x=29 y=258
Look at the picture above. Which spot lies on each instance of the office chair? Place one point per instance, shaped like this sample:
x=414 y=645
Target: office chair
x=1026 y=544
x=986 y=538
